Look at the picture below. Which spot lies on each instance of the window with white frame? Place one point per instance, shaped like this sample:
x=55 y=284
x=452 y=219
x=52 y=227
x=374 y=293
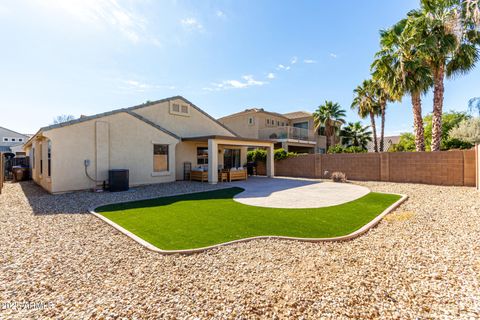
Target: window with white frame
x=160 y=158
x=251 y=120
x=5 y=139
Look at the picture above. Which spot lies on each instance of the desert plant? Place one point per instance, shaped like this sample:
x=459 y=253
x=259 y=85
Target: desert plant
x=468 y=131
x=339 y=177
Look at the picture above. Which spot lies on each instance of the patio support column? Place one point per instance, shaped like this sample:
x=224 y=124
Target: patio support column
x=270 y=162
x=212 y=161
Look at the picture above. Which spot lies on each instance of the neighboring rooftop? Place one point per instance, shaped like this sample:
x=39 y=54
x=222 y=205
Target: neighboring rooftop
x=297 y=115
x=289 y=115
x=389 y=141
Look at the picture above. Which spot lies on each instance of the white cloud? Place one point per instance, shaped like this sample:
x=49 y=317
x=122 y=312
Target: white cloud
x=138 y=86
x=271 y=76
x=220 y=14
x=108 y=13
x=283 y=67
x=333 y=55
x=293 y=60
x=192 y=23
x=309 y=61
x=245 y=82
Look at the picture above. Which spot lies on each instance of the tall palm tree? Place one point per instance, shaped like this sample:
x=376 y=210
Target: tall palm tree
x=329 y=114
x=356 y=135
x=401 y=72
x=448 y=41
x=381 y=95
x=367 y=106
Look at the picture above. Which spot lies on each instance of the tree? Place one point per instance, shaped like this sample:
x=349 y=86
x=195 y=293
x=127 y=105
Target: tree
x=450 y=120
x=329 y=114
x=63 y=118
x=381 y=95
x=468 y=131
x=367 y=106
x=356 y=135
x=401 y=71
x=474 y=104
x=446 y=37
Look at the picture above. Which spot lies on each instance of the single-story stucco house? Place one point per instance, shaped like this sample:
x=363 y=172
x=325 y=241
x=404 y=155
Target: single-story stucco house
x=153 y=141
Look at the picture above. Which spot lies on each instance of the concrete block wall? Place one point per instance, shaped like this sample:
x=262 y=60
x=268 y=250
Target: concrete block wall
x=456 y=168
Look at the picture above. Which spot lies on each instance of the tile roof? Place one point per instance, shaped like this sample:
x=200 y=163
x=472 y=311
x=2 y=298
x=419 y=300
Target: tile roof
x=297 y=114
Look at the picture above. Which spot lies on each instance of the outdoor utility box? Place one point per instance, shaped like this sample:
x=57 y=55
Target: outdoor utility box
x=20 y=173
x=118 y=180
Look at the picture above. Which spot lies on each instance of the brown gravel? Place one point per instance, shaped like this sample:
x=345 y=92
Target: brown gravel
x=423 y=263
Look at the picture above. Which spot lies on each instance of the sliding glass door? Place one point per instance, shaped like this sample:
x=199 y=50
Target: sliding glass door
x=231 y=158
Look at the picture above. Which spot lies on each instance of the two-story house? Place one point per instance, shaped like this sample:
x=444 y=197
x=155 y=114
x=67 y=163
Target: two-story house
x=294 y=131
x=11 y=141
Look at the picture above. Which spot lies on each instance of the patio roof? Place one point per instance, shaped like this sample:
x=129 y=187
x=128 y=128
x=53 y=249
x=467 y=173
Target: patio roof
x=229 y=138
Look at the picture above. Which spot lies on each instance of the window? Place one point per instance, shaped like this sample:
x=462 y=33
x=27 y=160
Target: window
x=283 y=124
x=13 y=139
x=5 y=139
x=160 y=158
x=272 y=122
x=321 y=131
x=202 y=155
x=251 y=121
x=268 y=121
x=303 y=125
x=179 y=109
x=49 y=158
x=20 y=139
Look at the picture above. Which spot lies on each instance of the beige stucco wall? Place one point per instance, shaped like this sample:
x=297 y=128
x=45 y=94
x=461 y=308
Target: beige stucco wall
x=239 y=124
x=130 y=142
x=41 y=153
x=194 y=125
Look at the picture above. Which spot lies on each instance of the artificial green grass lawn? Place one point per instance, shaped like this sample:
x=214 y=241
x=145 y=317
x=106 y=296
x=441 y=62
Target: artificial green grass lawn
x=202 y=219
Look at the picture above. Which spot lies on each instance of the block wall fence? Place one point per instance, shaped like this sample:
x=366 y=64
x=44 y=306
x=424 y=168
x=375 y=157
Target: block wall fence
x=449 y=168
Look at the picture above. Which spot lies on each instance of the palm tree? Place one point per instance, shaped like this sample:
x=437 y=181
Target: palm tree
x=446 y=38
x=356 y=135
x=366 y=106
x=401 y=71
x=329 y=114
x=381 y=95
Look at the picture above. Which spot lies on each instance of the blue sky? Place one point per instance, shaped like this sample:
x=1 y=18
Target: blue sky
x=90 y=56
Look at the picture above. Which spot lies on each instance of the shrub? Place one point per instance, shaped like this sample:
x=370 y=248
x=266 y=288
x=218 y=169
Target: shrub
x=281 y=154
x=341 y=149
x=261 y=155
x=257 y=155
x=339 y=177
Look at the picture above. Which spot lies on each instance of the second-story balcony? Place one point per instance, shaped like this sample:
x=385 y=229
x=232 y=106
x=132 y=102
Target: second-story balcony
x=287 y=133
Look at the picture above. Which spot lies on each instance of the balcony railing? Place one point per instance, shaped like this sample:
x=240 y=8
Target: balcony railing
x=282 y=133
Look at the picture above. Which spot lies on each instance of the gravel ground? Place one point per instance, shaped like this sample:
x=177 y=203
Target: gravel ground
x=423 y=261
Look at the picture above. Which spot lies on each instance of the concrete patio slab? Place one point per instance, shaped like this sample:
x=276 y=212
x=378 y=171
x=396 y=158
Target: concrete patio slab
x=282 y=192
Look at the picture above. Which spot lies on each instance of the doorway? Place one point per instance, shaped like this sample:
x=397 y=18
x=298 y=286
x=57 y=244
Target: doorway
x=231 y=158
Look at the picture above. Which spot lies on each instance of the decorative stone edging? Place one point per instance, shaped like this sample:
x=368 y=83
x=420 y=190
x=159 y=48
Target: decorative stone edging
x=347 y=237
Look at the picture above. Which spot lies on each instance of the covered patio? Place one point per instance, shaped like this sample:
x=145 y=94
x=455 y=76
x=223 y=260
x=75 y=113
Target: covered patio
x=214 y=141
